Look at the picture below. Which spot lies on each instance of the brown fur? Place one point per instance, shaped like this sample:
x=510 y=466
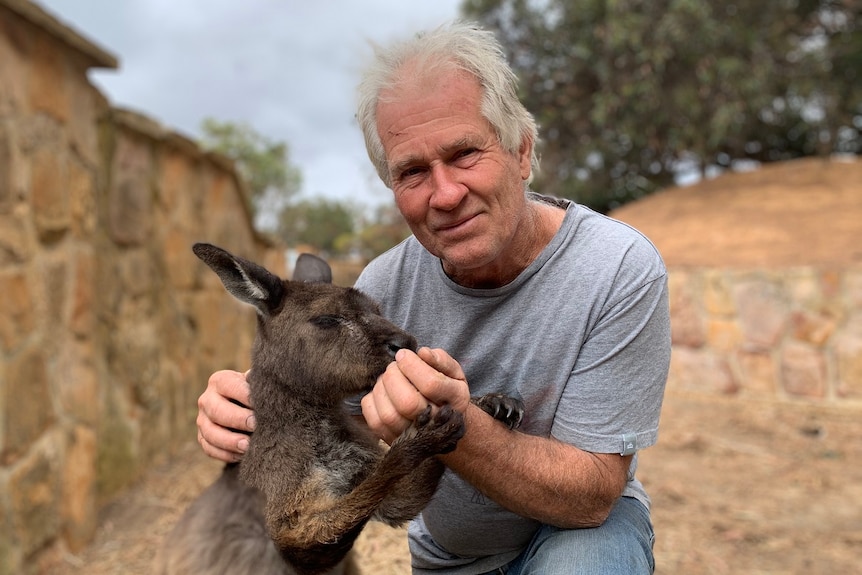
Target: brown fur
x=312 y=476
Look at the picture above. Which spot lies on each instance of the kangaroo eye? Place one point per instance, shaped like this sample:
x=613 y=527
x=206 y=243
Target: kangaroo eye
x=327 y=321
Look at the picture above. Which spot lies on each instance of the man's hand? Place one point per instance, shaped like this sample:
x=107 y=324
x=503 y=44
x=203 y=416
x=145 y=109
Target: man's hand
x=408 y=385
x=223 y=425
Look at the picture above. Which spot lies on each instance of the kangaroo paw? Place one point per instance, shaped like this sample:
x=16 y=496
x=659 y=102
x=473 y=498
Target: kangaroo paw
x=432 y=433
x=449 y=426
x=501 y=407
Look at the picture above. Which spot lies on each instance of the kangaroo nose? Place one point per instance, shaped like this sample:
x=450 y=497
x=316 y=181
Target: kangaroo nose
x=400 y=341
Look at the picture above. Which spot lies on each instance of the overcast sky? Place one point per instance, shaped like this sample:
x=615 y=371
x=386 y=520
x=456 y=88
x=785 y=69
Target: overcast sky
x=288 y=68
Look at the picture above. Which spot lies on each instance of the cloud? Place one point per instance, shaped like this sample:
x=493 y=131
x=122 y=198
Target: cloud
x=288 y=68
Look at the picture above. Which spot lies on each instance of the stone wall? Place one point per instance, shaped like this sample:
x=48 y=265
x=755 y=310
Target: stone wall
x=783 y=334
x=109 y=326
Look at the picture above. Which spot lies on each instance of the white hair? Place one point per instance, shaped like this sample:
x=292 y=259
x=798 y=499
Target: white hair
x=459 y=45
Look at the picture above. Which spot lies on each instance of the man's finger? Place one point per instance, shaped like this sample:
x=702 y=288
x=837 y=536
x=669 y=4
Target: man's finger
x=220 y=438
x=442 y=362
x=437 y=385
x=232 y=385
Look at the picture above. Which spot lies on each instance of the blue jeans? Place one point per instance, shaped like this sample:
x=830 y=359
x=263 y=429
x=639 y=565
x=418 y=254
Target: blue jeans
x=622 y=544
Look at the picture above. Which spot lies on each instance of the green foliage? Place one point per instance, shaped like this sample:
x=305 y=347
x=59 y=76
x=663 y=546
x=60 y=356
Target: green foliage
x=385 y=230
x=629 y=92
x=341 y=229
x=333 y=227
x=325 y=224
x=262 y=163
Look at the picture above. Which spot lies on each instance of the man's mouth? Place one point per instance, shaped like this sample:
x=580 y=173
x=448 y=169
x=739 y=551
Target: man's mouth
x=455 y=226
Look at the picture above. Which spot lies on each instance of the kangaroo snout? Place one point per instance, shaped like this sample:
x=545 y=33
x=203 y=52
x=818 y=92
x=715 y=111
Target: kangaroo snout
x=400 y=341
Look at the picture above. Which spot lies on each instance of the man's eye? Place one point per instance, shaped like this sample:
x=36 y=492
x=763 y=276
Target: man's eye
x=410 y=172
x=465 y=154
x=326 y=321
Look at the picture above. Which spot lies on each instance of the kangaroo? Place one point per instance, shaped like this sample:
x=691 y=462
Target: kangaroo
x=313 y=476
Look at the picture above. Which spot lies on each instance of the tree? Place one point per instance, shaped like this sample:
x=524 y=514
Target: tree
x=328 y=225
x=384 y=230
x=629 y=93
x=263 y=164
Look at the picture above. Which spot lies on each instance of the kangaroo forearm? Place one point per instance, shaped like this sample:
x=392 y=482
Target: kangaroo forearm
x=411 y=494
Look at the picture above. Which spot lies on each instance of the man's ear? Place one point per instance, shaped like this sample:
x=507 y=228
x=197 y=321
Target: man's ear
x=525 y=157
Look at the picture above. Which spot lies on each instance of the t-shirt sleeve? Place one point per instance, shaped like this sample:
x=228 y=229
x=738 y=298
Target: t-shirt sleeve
x=612 y=400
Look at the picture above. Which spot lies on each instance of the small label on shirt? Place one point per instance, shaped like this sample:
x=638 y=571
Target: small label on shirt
x=630 y=444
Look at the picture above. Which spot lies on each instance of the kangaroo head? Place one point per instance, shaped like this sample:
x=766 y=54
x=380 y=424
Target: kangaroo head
x=318 y=341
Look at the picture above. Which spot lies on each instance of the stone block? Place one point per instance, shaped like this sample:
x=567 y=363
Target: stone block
x=225 y=328
x=34 y=496
x=723 y=335
x=81 y=320
x=133 y=355
x=830 y=283
x=133 y=273
x=48 y=90
x=848 y=351
x=49 y=196
x=179 y=259
x=88 y=105
x=28 y=405
x=717 y=297
x=762 y=312
x=803 y=287
x=82 y=201
x=758 y=373
x=11 y=558
x=53 y=286
x=16 y=241
x=813 y=327
x=130 y=197
x=7 y=195
x=180 y=186
x=852 y=295
x=687 y=326
x=15 y=41
x=700 y=370
x=118 y=460
x=76 y=381
x=78 y=510
x=17 y=314
x=803 y=371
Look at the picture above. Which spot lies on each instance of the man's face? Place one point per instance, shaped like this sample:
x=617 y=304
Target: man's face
x=461 y=193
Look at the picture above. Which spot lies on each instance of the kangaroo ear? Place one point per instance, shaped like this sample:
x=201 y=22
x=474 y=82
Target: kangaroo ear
x=312 y=269
x=245 y=280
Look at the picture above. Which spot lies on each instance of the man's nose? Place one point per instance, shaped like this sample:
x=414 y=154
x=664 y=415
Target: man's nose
x=447 y=191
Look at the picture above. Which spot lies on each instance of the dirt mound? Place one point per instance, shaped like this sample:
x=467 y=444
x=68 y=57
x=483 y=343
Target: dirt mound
x=804 y=212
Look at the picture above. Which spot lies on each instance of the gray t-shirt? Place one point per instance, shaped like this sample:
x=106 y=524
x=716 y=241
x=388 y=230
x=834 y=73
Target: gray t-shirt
x=582 y=336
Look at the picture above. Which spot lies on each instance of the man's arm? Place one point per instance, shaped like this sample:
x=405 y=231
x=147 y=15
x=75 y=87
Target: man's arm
x=536 y=477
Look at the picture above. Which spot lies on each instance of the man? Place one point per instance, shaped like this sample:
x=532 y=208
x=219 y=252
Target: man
x=537 y=298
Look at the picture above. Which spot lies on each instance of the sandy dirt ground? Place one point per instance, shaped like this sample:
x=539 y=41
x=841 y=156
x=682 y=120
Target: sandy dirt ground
x=737 y=487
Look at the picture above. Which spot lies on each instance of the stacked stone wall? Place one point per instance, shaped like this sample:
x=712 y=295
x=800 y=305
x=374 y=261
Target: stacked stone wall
x=109 y=326
x=788 y=334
